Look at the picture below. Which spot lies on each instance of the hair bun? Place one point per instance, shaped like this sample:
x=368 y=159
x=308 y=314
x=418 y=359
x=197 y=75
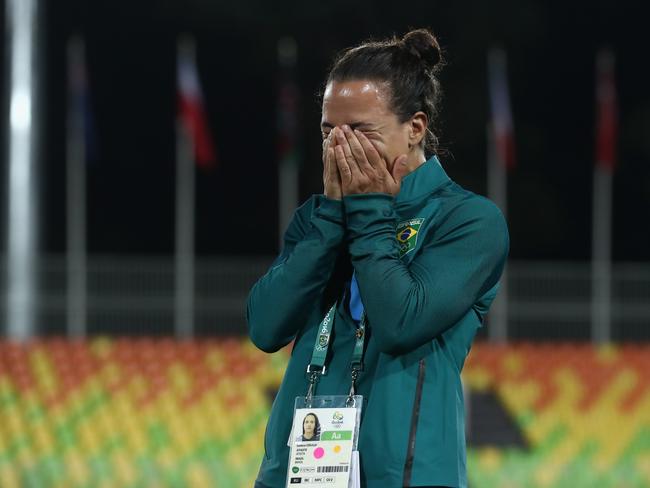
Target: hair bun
x=423 y=44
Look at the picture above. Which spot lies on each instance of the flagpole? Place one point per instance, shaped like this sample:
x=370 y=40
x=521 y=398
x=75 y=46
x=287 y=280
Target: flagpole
x=21 y=70
x=497 y=172
x=76 y=193
x=601 y=264
x=497 y=183
x=185 y=215
x=288 y=164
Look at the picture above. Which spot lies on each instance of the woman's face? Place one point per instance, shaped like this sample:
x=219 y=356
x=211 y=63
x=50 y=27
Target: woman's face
x=364 y=105
x=309 y=425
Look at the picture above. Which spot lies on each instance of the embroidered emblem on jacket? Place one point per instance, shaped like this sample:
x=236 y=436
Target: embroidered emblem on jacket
x=407 y=235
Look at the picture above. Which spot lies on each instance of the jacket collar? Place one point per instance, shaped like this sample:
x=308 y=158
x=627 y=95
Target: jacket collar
x=428 y=177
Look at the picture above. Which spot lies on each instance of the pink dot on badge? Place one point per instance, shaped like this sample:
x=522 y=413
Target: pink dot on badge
x=319 y=452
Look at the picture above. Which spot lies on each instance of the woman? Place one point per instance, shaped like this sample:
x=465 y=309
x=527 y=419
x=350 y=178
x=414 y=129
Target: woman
x=393 y=237
x=310 y=428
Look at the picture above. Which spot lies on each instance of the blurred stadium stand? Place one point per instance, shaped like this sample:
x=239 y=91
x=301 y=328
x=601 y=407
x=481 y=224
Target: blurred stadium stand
x=133 y=412
x=583 y=410
x=131 y=406
x=161 y=412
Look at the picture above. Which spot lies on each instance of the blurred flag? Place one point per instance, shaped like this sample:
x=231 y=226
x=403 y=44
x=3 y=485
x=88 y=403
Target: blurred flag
x=191 y=108
x=607 y=111
x=501 y=115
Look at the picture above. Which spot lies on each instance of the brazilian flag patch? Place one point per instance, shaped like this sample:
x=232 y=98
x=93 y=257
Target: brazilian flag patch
x=407 y=235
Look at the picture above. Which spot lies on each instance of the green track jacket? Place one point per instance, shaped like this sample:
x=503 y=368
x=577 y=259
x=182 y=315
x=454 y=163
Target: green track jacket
x=428 y=264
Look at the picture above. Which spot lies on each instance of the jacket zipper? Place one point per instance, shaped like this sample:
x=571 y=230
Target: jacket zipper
x=410 y=452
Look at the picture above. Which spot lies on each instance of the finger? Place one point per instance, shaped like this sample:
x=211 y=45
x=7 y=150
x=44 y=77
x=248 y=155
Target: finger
x=372 y=155
x=326 y=145
x=335 y=175
x=327 y=152
x=357 y=150
x=332 y=168
x=343 y=166
x=330 y=161
x=343 y=143
x=400 y=169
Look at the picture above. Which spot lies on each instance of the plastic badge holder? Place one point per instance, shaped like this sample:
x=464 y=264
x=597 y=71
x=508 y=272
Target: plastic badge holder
x=325 y=460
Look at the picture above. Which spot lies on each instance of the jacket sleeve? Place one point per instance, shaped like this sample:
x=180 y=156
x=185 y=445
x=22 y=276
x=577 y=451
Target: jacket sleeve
x=408 y=305
x=280 y=302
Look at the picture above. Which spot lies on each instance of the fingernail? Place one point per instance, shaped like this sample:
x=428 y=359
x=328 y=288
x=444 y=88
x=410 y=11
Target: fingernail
x=346 y=128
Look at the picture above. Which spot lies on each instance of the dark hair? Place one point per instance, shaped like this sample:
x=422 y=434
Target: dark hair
x=316 y=427
x=408 y=66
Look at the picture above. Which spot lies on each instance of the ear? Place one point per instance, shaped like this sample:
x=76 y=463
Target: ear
x=417 y=128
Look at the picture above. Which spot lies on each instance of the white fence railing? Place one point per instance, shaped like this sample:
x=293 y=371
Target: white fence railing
x=135 y=295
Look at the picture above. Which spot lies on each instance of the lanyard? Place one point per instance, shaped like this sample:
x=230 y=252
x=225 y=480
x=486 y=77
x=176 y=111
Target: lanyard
x=317 y=366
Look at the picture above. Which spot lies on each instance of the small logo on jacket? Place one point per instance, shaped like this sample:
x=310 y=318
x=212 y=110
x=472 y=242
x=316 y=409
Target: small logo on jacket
x=323 y=339
x=407 y=235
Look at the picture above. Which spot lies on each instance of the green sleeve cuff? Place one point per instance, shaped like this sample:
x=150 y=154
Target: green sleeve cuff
x=371 y=222
x=328 y=209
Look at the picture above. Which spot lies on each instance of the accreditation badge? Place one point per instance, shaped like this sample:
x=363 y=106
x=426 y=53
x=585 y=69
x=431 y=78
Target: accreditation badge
x=323 y=442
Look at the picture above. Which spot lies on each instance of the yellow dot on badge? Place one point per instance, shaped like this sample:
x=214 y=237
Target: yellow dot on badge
x=337 y=449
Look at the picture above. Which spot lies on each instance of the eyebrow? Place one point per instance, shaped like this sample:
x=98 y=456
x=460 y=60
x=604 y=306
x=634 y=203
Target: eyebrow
x=353 y=126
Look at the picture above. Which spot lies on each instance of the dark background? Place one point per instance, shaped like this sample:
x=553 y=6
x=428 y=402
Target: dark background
x=131 y=48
